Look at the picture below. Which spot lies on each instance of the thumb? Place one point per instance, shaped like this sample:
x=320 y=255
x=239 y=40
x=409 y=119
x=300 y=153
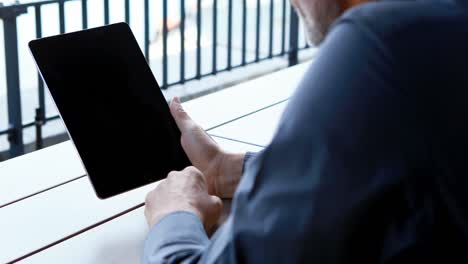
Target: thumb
x=183 y=120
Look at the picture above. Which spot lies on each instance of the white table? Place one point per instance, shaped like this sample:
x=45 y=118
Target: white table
x=50 y=214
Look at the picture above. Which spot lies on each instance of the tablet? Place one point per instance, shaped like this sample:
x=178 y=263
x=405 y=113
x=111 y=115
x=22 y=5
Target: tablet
x=112 y=107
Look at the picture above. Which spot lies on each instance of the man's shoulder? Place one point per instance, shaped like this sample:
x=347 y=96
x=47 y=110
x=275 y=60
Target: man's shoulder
x=394 y=19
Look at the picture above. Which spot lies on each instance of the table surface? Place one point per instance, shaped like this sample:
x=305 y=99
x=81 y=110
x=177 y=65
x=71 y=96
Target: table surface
x=50 y=214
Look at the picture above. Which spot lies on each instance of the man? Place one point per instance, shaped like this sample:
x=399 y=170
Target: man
x=375 y=171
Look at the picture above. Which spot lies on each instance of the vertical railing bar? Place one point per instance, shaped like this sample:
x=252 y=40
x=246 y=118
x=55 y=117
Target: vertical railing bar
x=293 y=38
x=270 y=48
x=283 y=29
x=127 y=11
x=84 y=13
x=10 y=31
x=199 y=15
x=182 y=41
x=215 y=37
x=146 y=37
x=61 y=5
x=40 y=111
x=164 y=44
x=257 y=33
x=38 y=122
x=244 y=31
x=229 y=36
x=106 y=12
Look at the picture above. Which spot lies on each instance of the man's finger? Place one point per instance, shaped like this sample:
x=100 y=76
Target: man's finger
x=192 y=170
x=217 y=202
x=181 y=117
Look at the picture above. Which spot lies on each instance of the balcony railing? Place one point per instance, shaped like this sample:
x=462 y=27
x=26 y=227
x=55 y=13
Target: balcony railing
x=261 y=29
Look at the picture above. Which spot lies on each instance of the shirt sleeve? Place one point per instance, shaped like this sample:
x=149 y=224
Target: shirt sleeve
x=177 y=238
x=319 y=191
x=248 y=156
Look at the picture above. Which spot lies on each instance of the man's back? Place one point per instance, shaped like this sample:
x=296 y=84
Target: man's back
x=368 y=164
x=422 y=48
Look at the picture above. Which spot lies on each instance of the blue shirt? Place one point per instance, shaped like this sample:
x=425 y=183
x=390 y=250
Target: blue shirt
x=376 y=169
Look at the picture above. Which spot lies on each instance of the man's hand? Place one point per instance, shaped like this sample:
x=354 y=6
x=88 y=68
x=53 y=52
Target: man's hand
x=222 y=170
x=183 y=191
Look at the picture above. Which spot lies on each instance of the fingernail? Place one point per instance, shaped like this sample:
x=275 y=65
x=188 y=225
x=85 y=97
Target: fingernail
x=177 y=100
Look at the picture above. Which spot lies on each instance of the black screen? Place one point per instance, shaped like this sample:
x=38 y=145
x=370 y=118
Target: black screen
x=112 y=107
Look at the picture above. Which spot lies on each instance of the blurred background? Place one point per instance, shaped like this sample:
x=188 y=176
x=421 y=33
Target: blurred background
x=193 y=47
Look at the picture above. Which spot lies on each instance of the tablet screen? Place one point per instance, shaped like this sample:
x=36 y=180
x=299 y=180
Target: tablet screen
x=112 y=107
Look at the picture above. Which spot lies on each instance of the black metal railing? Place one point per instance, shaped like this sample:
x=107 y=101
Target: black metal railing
x=287 y=34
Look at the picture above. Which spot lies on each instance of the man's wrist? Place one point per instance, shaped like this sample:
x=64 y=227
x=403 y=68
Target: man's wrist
x=231 y=173
x=155 y=219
